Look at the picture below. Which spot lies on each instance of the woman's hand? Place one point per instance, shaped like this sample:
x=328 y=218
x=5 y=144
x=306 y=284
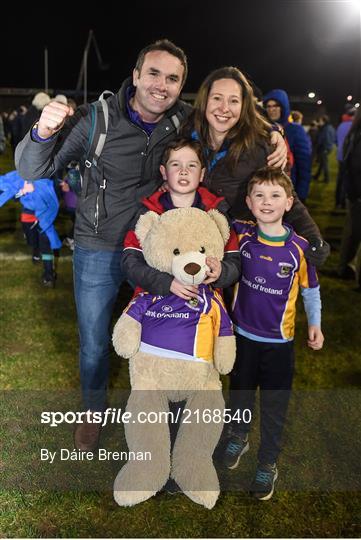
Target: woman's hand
x=278 y=158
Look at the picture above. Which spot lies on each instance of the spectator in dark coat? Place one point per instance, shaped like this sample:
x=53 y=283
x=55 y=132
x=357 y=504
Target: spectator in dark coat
x=15 y=125
x=351 y=238
x=2 y=136
x=312 y=133
x=277 y=107
x=341 y=132
x=33 y=113
x=325 y=141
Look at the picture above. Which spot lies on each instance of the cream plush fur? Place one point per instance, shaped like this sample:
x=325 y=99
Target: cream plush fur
x=157 y=380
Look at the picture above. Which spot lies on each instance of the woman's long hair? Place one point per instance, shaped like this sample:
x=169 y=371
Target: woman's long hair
x=251 y=126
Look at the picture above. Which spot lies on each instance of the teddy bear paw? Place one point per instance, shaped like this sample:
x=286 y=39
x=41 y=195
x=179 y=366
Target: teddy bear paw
x=131 y=498
x=206 y=498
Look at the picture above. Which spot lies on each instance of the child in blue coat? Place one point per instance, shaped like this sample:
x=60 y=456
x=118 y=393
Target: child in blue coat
x=40 y=208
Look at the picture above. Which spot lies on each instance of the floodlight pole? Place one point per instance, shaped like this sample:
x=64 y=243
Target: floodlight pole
x=46 y=71
x=83 y=73
x=85 y=68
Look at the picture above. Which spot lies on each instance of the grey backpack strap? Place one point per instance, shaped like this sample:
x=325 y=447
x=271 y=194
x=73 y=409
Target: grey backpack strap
x=176 y=122
x=97 y=135
x=103 y=129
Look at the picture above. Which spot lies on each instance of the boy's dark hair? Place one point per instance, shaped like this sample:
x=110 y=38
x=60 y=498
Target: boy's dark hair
x=273 y=176
x=167 y=46
x=177 y=144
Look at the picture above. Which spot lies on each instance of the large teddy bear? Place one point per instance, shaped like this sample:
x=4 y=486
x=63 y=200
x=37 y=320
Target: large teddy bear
x=177 y=349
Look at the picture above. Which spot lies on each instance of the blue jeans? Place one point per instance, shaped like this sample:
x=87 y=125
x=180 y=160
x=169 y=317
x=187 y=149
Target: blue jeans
x=97 y=278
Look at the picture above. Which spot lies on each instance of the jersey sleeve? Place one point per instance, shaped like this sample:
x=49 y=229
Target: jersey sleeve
x=243 y=228
x=312 y=303
x=138 y=306
x=307 y=274
x=222 y=324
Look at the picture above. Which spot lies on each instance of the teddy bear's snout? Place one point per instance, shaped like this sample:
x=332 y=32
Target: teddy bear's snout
x=192 y=268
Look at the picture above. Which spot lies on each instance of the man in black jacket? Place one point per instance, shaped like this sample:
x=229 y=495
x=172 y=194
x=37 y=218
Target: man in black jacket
x=143 y=117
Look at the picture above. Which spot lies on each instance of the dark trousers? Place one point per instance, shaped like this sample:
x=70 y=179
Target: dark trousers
x=340 y=193
x=36 y=239
x=270 y=367
x=39 y=242
x=351 y=235
x=31 y=232
x=322 y=158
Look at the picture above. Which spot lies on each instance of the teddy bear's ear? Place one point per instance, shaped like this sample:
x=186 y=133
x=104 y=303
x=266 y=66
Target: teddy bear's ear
x=221 y=223
x=144 y=224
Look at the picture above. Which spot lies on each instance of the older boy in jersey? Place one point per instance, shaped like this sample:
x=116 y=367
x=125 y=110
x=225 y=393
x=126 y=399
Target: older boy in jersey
x=263 y=312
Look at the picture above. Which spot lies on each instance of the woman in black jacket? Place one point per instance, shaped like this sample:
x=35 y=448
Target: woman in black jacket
x=237 y=141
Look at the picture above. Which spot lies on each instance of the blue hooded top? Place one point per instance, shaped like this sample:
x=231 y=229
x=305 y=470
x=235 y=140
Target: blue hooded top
x=299 y=143
x=43 y=201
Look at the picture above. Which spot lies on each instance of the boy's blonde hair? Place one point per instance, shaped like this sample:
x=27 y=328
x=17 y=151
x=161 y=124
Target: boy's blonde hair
x=273 y=176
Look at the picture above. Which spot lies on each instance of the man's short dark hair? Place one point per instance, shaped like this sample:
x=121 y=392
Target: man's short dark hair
x=167 y=46
x=177 y=144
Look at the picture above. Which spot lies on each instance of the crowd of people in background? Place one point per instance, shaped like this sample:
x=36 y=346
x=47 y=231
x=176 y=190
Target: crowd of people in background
x=309 y=148
x=40 y=199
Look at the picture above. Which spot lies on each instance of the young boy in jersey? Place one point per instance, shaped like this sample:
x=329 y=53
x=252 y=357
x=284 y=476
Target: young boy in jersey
x=182 y=170
x=263 y=312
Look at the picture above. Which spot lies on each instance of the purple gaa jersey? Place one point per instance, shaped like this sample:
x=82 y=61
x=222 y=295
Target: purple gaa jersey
x=264 y=299
x=175 y=328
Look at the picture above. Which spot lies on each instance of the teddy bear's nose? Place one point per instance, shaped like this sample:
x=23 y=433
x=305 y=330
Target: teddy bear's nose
x=192 y=268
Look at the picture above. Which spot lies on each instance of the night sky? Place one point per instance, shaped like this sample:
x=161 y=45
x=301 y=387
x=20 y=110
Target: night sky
x=298 y=45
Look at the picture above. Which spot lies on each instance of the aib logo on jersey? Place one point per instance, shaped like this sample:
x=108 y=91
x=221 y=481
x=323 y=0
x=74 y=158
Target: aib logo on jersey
x=285 y=269
x=167 y=308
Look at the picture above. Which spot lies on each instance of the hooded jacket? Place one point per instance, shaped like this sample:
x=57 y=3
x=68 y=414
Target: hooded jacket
x=298 y=141
x=42 y=201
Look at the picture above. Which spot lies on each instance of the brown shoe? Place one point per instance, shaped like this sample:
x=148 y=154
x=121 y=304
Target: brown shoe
x=86 y=436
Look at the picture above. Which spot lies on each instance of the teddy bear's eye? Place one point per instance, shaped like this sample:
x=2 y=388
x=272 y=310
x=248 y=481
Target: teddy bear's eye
x=203 y=249
x=176 y=251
